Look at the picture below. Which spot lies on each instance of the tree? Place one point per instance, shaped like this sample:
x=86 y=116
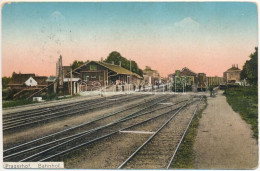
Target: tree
x=5 y=81
x=77 y=64
x=125 y=63
x=250 y=69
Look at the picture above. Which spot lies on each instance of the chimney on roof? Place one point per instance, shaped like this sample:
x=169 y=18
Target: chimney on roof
x=101 y=59
x=112 y=62
x=237 y=66
x=120 y=63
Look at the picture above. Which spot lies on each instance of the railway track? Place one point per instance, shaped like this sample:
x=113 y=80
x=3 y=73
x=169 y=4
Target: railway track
x=45 y=149
x=87 y=125
x=159 y=150
x=44 y=108
x=64 y=107
x=24 y=119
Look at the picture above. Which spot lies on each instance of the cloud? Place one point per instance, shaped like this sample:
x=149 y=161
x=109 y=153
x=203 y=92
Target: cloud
x=187 y=23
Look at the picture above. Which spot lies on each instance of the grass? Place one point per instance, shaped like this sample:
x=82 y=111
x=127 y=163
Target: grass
x=20 y=102
x=185 y=156
x=244 y=100
x=13 y=103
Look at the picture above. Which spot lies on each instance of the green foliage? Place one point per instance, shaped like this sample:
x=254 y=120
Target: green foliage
x=5 y=81
x=49 y=97
x=125 y=63
x=77 y=64
x=14 y=103
x=7 y=94
x=244 y=100
x=250 y=69
x=148 y=68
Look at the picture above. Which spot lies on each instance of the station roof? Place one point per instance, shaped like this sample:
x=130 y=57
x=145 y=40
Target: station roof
x=116 y=68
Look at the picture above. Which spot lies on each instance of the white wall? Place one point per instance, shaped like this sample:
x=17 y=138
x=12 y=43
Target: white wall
x=31 y=82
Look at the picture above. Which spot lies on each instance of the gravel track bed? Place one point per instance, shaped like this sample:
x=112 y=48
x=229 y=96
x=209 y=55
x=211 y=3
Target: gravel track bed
x=85 y=138
x=107 y=153
x=53 y=114
x=94 y=125
x=15 y=137
x=157 y=153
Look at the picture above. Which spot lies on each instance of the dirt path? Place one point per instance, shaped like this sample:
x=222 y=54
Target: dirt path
x=224 y=140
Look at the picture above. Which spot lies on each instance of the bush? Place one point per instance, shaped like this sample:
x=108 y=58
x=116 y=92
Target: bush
x=49 y=97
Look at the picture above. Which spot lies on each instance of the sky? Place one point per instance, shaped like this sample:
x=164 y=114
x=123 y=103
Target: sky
x=206 y=37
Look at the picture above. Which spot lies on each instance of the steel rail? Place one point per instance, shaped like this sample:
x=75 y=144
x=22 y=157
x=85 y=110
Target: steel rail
x=104 y=136
x=41 y=109
x=152 y=136
x=79 y=135
x=67 y=100
x=60 y=112
x=44 y=110
x=57 y=107
x=77 y=126
x=19 y=124
x=183 y=135
x=25 y=114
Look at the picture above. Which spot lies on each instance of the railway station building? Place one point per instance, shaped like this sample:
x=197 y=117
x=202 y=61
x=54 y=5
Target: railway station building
x=95 y=74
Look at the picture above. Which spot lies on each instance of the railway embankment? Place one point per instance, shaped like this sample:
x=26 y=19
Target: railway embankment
x=224 y=140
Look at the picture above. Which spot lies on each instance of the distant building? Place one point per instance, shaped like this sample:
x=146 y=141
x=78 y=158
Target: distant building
x=184 y=78
x=66 y=71
x=69 y=82
x=151 y=76
x=20 y=81
x=21 y=84
x=198 y=81
x=192 y=77
x=232 y=75
x=52 y=84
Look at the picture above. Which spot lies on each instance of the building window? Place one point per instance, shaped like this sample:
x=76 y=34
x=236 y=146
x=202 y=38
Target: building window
x=84 y=76
x=101 y=76
x=93 y=75
x=30 y=81
x=93 y=67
